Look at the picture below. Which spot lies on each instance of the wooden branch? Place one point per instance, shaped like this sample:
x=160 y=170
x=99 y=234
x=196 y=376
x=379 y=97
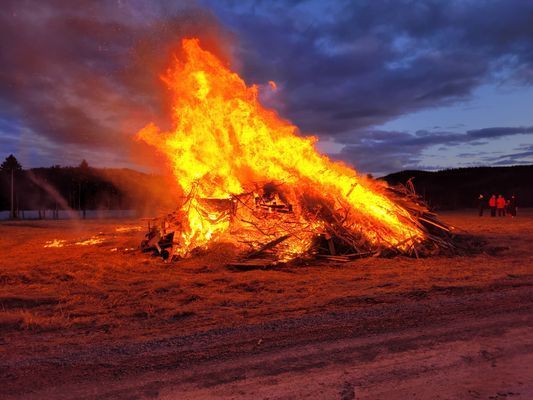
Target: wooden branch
x=268 y=246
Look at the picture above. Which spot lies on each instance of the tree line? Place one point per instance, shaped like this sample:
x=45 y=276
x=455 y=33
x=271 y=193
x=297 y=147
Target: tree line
x=79 y=189
x=460 y=187
x=83 y=187
x=56 y=188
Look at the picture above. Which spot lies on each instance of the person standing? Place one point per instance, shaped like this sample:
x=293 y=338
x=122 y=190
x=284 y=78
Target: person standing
x=481 y=204
x=513 y=206
x=500 y=204
x=492 y=205
x=507 y=207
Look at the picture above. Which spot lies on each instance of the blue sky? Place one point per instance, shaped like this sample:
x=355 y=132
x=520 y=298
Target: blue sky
x=490 y=105
x=385 y=85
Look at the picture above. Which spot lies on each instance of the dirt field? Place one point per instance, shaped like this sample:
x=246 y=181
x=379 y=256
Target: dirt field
x=95 y=319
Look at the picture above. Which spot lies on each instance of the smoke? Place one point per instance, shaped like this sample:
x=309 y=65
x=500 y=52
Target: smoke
x=148 y=194
x=54 y=194
x=81 y=78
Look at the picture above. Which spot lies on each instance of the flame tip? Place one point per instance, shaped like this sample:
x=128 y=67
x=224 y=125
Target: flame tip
x=224 y=139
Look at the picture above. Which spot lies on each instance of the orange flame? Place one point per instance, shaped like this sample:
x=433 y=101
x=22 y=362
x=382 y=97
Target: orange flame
x=224 y=140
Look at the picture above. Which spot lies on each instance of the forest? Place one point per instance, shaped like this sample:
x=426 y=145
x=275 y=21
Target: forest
x=80 y=188
x=83 y=188
x=451 y=189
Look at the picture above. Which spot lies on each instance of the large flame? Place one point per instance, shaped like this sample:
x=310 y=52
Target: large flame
x=224 y=140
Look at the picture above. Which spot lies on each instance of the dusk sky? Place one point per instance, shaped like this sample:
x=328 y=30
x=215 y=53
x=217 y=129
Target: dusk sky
x=385 y=85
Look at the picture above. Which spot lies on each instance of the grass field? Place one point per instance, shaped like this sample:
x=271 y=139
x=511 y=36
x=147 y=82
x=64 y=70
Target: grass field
x=84 y=314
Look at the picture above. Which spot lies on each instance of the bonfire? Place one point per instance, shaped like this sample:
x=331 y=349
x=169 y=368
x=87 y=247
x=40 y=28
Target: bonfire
x=251 y=180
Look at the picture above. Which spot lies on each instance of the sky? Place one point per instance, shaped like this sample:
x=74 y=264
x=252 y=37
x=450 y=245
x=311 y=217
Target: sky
x=384 y=85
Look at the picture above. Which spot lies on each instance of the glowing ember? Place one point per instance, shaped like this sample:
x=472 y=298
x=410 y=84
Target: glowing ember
x=124 y=229
x=90 y=241
x=55 y=243
x=225 y=143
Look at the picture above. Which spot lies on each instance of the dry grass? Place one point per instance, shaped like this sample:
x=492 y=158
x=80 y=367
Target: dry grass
x=76 y=295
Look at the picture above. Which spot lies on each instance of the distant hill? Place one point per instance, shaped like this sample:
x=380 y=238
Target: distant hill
x=460 y=187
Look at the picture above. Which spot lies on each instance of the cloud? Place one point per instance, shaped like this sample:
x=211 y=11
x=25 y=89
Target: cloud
x=83 y=75
x=381 y=151
x=523 y=155
x=86 y=74
x=344 y=66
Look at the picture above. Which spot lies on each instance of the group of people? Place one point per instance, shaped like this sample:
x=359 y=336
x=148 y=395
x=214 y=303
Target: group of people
x=498 y=205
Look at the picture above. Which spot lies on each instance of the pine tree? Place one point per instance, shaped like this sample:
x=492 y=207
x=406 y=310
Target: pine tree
x=11 y=166
x=84 y=165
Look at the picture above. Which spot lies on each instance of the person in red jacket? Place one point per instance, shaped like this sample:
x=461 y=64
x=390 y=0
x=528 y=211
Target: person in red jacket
x=500 y=204
x=492 y=205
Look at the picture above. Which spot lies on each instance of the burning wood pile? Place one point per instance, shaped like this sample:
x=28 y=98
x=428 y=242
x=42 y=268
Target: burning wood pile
x=268 y=230
x=250 y=180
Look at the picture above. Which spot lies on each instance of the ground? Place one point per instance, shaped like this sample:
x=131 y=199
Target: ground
x=96 y=319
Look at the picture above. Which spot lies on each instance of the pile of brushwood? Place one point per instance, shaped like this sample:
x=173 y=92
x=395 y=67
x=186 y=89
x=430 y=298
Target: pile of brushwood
x=268 y=228
x=338 y=243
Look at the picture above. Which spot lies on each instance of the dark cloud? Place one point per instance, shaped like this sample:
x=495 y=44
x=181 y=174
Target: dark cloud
x=384 y=151
x=86 y=73
x=83 y=76
x=351 y=65
x=422 y=138
x=523 y=155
